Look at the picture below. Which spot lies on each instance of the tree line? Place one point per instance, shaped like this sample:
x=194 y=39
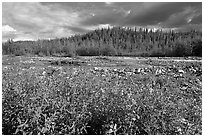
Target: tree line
x=115 y=41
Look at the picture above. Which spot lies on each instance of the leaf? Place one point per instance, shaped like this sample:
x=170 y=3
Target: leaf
x=24 y=124
x=19 y=121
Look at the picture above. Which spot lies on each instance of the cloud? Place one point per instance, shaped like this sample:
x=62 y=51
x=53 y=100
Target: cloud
x=23 y=16
x=50 y=20
x=83 y=9
x=76 y=29
x=143 y=14
x=37 y=18
x=108 y=3
x=153 y=13
x=196 y=19
x=182 y=18
x=7 y=28
x=104 y=18
x=8 y=32
x=93 y=13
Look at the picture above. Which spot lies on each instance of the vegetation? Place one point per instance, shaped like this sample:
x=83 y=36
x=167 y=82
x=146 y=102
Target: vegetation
x=73 y=97
x=104 y=95
x=113 y=42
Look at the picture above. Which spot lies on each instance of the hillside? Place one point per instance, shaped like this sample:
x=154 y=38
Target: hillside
x=115 y=41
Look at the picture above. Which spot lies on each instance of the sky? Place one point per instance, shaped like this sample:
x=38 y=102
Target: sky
x=32 y=21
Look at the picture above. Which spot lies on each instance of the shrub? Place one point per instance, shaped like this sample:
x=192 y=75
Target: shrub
x=108 y=50
x=87 y=51
x=179 y=50
x=68 y=51
x=197 y=48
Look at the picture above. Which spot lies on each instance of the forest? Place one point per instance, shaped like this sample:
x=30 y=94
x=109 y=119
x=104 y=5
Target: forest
x=116 y=41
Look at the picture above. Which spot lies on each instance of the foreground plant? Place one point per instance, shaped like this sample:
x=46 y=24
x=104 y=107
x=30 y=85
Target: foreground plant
x=86 y=100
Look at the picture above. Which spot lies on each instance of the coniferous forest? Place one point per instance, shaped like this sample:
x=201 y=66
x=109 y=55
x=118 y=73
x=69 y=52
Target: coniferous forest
x=115 y=41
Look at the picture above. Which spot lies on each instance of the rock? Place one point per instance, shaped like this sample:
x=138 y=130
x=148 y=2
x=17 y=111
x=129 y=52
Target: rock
x=158 y=72
x=181 y=71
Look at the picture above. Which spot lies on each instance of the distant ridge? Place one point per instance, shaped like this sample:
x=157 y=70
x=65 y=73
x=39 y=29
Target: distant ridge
x=115 y=41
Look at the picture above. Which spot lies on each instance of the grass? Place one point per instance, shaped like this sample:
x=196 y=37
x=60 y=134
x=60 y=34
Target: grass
x=92 y=98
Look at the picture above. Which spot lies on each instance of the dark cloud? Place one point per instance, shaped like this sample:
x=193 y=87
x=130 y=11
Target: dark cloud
x=82 y=8
x=157 y=13
x=177 y=19
x=76 y=29
x=142 y=14
x=112 y=14
x=76 y=5
x=104 y=18
x=197 y=20
x=86 y=10
x=190 y=15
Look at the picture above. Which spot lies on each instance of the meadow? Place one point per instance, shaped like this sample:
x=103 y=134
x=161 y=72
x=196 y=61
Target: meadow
x=100 y=95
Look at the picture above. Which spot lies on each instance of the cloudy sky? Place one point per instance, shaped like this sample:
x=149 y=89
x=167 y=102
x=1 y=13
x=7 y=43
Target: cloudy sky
x=31 y=21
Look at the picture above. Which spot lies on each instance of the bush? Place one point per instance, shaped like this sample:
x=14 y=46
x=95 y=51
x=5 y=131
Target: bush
x=68 y=51
x=179 y=50
x=108 y=50
x=87 y=51
x=197 y=48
